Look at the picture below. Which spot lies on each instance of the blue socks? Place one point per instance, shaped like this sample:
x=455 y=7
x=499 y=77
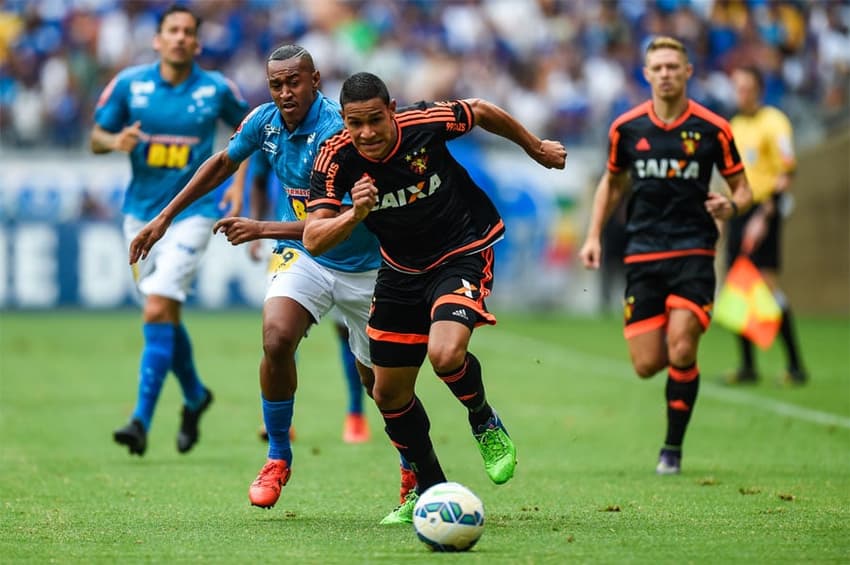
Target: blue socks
x=277 y=416
x=157 y=355
x=183 y=366
x=352 y=378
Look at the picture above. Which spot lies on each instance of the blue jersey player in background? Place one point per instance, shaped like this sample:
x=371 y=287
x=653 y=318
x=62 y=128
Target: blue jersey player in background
x=164 y=115
x=288 y=131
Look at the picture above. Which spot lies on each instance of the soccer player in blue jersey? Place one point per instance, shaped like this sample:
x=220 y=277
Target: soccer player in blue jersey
x=355 y=426
x=164 y=115
x=304 y=288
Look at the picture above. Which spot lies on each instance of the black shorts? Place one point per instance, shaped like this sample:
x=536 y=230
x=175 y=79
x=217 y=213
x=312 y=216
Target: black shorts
x=768 y=254
x=404 y=305
x=653 y=288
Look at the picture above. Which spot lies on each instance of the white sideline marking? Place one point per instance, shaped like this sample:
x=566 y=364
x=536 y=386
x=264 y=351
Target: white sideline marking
x=606 y=366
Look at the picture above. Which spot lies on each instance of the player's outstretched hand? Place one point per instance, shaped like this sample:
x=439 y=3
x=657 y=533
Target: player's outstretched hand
x=552 y=154
x=239 y=230
x=145 y=239
x=590 y=253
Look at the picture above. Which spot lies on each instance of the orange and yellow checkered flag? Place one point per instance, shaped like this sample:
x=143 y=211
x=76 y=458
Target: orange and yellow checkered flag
x=746 y=306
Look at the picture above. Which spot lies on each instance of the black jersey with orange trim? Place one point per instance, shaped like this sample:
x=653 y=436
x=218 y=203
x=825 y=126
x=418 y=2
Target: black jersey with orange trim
x=670 y=167
x=429 y=210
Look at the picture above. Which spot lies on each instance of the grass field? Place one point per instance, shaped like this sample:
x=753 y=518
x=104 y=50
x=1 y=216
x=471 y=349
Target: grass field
x=766 y=473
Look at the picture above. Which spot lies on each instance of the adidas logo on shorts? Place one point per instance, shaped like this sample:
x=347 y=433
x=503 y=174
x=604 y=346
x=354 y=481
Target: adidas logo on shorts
x=460 y=314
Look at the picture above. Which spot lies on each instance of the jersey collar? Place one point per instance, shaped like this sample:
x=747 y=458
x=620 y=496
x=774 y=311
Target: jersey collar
x=674 y=124
x=193 y=75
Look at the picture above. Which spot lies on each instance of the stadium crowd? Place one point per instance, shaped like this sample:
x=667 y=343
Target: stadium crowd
x=563 y=67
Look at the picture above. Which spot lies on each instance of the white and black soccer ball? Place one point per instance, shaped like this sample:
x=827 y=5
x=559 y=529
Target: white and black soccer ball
x=449 y=517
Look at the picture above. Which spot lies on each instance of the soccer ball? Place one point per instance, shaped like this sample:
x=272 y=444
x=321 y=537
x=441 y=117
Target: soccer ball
x=448 y=517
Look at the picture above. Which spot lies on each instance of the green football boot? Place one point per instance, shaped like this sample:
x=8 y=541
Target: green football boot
x=497 y=450
x=403 y=513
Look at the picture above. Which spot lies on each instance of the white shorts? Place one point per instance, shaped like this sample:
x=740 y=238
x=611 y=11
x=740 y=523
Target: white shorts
x=173 y=261
x=319 y=289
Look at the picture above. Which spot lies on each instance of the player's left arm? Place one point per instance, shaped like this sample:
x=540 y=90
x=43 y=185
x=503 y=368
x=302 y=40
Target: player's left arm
x=549 y=153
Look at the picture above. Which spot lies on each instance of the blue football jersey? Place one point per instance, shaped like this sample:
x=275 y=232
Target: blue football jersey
x=178 y=125
x=290 y=155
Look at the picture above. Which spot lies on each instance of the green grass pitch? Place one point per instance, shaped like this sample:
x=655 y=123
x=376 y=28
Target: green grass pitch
x=766 y=472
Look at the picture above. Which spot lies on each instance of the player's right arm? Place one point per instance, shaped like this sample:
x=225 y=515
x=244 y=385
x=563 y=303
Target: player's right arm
x=610 y=190
x=326 y=228
x=209 y=175
x=112 y=130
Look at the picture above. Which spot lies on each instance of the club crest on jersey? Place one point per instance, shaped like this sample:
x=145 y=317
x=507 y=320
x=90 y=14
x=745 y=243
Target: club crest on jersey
x=417 y=161
x=690 y=142
x=628 y=308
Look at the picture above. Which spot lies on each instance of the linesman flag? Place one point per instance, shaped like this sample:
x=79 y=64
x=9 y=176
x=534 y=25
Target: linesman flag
x=746 y=306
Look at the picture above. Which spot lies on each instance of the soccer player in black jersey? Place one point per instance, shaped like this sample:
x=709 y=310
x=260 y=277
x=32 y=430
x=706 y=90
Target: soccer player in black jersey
x=665 y=149
x=436 y=229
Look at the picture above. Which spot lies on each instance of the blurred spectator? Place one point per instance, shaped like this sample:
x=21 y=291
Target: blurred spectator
x=563 y=66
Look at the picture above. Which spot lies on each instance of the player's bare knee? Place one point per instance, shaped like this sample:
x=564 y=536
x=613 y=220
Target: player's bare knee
x=446 y=357
x=388 y=398
x=646 y=367
x=279 y=342
x=682 y=352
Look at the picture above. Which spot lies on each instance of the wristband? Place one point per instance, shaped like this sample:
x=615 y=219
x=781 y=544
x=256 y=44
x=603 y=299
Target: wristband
x=734 y=208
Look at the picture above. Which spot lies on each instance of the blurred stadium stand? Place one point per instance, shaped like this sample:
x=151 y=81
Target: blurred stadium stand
x=563 y=67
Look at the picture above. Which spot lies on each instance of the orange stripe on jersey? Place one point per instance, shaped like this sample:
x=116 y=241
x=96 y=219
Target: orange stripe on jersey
x=470 y=116
x=428 y=120
x=643 y=326
x=416 y=113
x=324 y=202
x=712 y=118
x=728 y=163
x=683 y=375
x=730 y=167
x=636 y=112
x=454 y=253
x=674 y=124
x=395 y=337
x=614 y=132
x=661 y=255
x=675 y=302
x=488 y=255
x=614 y=136
x=329 y=149
x=430 y=114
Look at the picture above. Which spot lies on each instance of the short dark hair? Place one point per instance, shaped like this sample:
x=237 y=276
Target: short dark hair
x=756 y=73
x=285 y=52
x=363 y=86
x=666 y=42
x=176 y=9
